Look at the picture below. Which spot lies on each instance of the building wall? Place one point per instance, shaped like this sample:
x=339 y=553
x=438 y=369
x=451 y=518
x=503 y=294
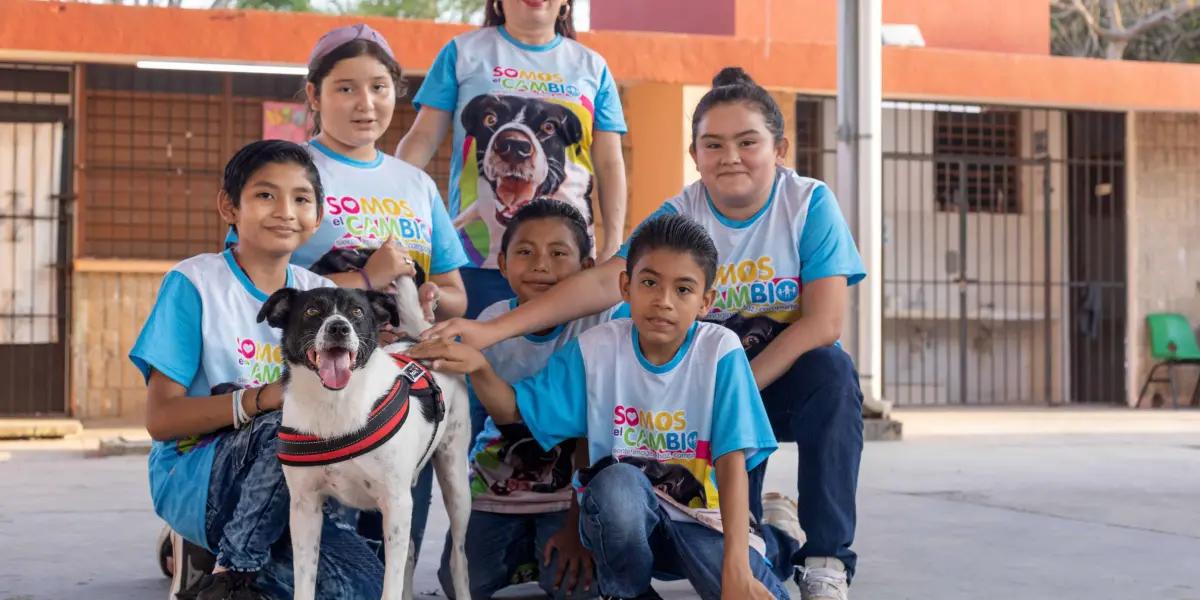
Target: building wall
x=1006 y=323
x=109 y=310
x=1164 y=221
x=1014 y=26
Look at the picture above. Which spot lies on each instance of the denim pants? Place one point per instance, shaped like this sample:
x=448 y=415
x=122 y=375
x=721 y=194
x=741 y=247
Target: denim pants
x=248 y=512
x=633 y=539
x=500 y=547
x=818 y=405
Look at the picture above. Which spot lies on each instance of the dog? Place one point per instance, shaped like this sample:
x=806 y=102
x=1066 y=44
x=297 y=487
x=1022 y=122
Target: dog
x=360 y=422
x=521 y=147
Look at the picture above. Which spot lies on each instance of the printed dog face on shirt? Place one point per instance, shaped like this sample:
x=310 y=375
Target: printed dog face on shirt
x=521 y=147
x=330 y=331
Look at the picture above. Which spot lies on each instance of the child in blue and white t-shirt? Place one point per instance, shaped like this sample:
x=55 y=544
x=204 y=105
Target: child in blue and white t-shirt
x=213 y=395
x=673 y=420
x=524 y=518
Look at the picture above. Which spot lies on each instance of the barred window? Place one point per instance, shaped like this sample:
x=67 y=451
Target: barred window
x=991 y=186
x=153 y=145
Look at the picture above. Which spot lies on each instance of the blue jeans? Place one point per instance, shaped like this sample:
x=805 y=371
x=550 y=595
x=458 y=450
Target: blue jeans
x=633 y=539
x=248 y=510
x=500 y=546
x=818 y=405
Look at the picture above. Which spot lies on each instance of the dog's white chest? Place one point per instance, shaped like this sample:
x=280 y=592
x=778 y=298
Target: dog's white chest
x=364 y=482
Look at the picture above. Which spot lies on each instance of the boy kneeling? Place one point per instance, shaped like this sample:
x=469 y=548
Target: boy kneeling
x=664 y=401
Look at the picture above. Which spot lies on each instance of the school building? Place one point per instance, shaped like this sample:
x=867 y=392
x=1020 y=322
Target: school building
x=1036 y=208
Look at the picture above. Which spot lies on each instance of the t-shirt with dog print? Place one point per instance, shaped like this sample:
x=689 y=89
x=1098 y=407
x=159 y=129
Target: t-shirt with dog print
x=524 y=117
x=673 y=421
x=510 y=472
x=800 y=235
x=365 y=202
x=203 y=333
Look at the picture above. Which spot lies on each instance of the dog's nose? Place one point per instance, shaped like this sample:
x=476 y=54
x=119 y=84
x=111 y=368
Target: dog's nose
x=514 y=150
x=338 y=329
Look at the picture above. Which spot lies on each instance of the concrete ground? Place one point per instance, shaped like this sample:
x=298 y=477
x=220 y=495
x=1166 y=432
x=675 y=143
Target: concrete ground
x=1030 y=504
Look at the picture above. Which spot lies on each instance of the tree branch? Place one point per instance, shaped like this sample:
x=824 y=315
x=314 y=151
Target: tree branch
x=1078 y=7
x=1158 y=18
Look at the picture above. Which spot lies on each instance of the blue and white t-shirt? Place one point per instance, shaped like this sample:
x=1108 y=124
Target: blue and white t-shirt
x=365 y=202
x=523 y=123
x=800 y=235
x=685 y=414
x=511 y=473
x=203 y=334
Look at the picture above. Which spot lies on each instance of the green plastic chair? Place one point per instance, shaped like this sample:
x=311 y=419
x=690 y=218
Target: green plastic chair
x=1172 y=343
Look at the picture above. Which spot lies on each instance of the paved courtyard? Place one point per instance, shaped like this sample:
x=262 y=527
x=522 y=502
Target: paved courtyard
x=972 y=505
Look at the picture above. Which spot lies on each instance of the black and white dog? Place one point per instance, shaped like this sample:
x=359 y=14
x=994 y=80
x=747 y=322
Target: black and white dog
x=360 y=422
x=521 y=147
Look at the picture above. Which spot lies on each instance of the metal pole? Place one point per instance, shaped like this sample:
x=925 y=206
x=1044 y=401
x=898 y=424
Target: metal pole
x=859 y=175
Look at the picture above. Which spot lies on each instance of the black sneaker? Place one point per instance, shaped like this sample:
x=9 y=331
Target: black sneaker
x=165 y=548
x=649 y=594
x=191 y=564
x=226 y=585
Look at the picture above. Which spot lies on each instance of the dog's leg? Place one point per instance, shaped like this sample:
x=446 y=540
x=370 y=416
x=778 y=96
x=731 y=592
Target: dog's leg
x=397 y=524
x=409 y=569
x=305 y=521
x=450 y=463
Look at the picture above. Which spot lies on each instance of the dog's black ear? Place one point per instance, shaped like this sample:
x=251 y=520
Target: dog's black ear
x=572 y=129
x=384 y=307
x=278 y=307
x=470 y=113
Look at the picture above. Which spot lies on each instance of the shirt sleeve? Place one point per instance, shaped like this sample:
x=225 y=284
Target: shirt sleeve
x=440 y=88
x=621 y=312
x=553 y=401
x=170 y=342
x=447 y=250
x=666 y=209
x=739 y=417
x=609 y=114
x=826 y=247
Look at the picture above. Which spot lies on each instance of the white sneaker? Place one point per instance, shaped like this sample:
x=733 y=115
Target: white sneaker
x=823 y=579
x=782 y=512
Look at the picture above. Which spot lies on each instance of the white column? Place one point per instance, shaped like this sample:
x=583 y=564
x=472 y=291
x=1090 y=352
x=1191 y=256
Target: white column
x=859 y=176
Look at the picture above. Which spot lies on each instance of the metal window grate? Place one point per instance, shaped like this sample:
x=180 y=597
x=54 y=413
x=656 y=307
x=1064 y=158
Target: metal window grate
x=810 y=154
x=989 y=187
x=154 y=145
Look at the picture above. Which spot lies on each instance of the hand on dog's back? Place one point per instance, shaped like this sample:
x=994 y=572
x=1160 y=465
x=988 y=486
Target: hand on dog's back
x=448 y=357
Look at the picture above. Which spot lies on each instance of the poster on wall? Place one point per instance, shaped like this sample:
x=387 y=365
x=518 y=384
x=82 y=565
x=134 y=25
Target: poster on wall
x=285 y=121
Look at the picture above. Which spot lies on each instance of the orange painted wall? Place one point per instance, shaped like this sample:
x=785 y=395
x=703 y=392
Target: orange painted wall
x=1014 y=26
x=69 y=32
x=703 y=17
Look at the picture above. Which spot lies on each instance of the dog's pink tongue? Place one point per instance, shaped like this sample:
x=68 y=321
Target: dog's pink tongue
x=335 y=369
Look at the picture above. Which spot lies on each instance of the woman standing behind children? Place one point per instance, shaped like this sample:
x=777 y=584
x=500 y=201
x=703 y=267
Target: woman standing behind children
x=535 y=114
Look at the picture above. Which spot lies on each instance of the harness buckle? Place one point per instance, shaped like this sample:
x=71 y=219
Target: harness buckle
x=413 y=372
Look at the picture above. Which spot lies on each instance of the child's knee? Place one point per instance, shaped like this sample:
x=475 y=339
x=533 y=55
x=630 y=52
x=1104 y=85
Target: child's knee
x=617 y=498
x=617 y=485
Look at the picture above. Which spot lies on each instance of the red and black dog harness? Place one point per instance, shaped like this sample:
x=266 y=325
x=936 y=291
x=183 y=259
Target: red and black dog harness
x=387 y=417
